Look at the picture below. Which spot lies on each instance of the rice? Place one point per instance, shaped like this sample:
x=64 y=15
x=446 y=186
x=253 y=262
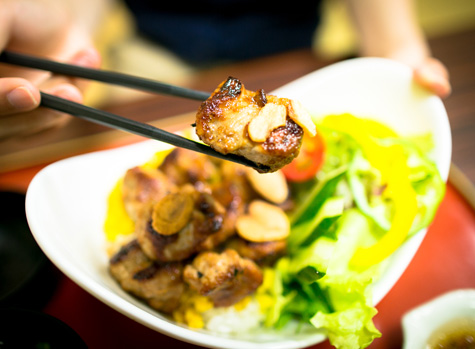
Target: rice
x=234 y=319
x=246 y=315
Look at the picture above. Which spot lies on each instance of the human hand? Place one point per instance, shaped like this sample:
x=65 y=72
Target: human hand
x=390 y=29
x=428 y=71
x=434 y=76
x=44 y=28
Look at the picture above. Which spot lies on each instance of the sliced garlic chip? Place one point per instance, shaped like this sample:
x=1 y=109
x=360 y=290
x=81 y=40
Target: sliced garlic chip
x=265 y=222
x=302 y=118
x=271 y=186
x=269 y=118
x=172 y=213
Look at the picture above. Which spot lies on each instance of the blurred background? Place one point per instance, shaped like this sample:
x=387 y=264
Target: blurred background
x=449 y=26
x=123 y=50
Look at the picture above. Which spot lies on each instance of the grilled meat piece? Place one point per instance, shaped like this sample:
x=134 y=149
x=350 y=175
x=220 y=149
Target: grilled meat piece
x=226 y=181
x=233 y=191
x=205 y=220
x=141 y=186
x=263 y=253
x=183 y=166
x=259 y=127
x=225 y=278
x=160 y=285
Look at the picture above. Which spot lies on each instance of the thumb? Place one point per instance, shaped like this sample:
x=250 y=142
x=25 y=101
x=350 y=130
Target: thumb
x=17 y=95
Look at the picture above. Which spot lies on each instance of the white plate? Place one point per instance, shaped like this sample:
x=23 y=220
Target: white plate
x=66 y=201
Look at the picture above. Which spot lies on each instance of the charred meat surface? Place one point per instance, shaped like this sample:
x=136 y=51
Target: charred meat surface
x=224 y=180
x=263 y=253
x=225 y=278
x=184 y=166
x=262 y=128
x=186 y=213
x=204 y=220
x=160 y=285
x=141 y=186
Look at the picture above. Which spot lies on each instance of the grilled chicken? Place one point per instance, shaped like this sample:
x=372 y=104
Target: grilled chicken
x=141 y=186
x=186 y=210
x=160 y=285
x=224 y=180
x=262 y=128
x=184 y=166
x=224 y=278
x=263 y=253
x=192 y=225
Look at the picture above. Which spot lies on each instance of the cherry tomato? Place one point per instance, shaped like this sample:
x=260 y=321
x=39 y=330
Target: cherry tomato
x=306 y=165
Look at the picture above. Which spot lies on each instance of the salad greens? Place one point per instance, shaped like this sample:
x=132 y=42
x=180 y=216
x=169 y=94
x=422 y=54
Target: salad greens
x=374 y=190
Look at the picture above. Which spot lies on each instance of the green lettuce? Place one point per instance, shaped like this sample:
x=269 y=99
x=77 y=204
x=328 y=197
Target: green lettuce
x=340 y=211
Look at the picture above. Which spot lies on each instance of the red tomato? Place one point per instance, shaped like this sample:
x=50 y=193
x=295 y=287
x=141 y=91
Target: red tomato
x=306 y=165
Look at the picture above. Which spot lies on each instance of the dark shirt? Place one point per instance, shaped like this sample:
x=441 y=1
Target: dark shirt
x=211 y=31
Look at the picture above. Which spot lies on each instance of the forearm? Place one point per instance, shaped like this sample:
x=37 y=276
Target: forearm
x=389 y=28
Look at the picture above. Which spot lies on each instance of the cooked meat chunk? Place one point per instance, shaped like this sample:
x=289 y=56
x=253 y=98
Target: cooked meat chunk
x=184 y=166
x=233 y=192
x=141 y=186
x=204 y=220
x=233 y=188
x=262 y=128
x=160 y=285
x=225 y=278
x=226 y=181
x=186 y=210
x=263 y=253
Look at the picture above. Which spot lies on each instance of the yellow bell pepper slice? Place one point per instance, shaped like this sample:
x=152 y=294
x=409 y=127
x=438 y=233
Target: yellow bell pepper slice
x=392 y=164
x=400 y=190
x=117 y=222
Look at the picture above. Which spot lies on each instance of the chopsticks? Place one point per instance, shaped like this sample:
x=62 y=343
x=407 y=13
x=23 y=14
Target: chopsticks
x=101 y=75
x=118 y=122
x=113 y=120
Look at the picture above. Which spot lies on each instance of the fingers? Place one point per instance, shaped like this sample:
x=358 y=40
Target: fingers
x=29 y=123
x=433 y=75
x=19 y=99
x=62 y=87
x=21 y=123
x=17 y=95
x=87 y=58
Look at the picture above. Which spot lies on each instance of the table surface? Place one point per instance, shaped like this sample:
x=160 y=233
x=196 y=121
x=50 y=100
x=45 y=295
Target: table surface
x=444 y=261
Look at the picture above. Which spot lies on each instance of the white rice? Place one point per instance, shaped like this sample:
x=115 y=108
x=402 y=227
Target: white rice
x=229 y=320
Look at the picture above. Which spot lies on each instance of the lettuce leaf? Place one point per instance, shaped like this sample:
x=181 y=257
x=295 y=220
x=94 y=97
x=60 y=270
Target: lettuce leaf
x=350 y=325
x=348 y=208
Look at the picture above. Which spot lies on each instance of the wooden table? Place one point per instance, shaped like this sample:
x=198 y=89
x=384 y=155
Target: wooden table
x=445 y=260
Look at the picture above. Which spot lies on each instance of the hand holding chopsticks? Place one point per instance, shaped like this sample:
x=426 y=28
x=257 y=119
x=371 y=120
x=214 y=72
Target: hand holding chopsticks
x=112 y=120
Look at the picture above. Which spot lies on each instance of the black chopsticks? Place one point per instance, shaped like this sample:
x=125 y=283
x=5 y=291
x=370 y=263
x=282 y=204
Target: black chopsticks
x=138 y=128
x=101 y=75
x=116 y=121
